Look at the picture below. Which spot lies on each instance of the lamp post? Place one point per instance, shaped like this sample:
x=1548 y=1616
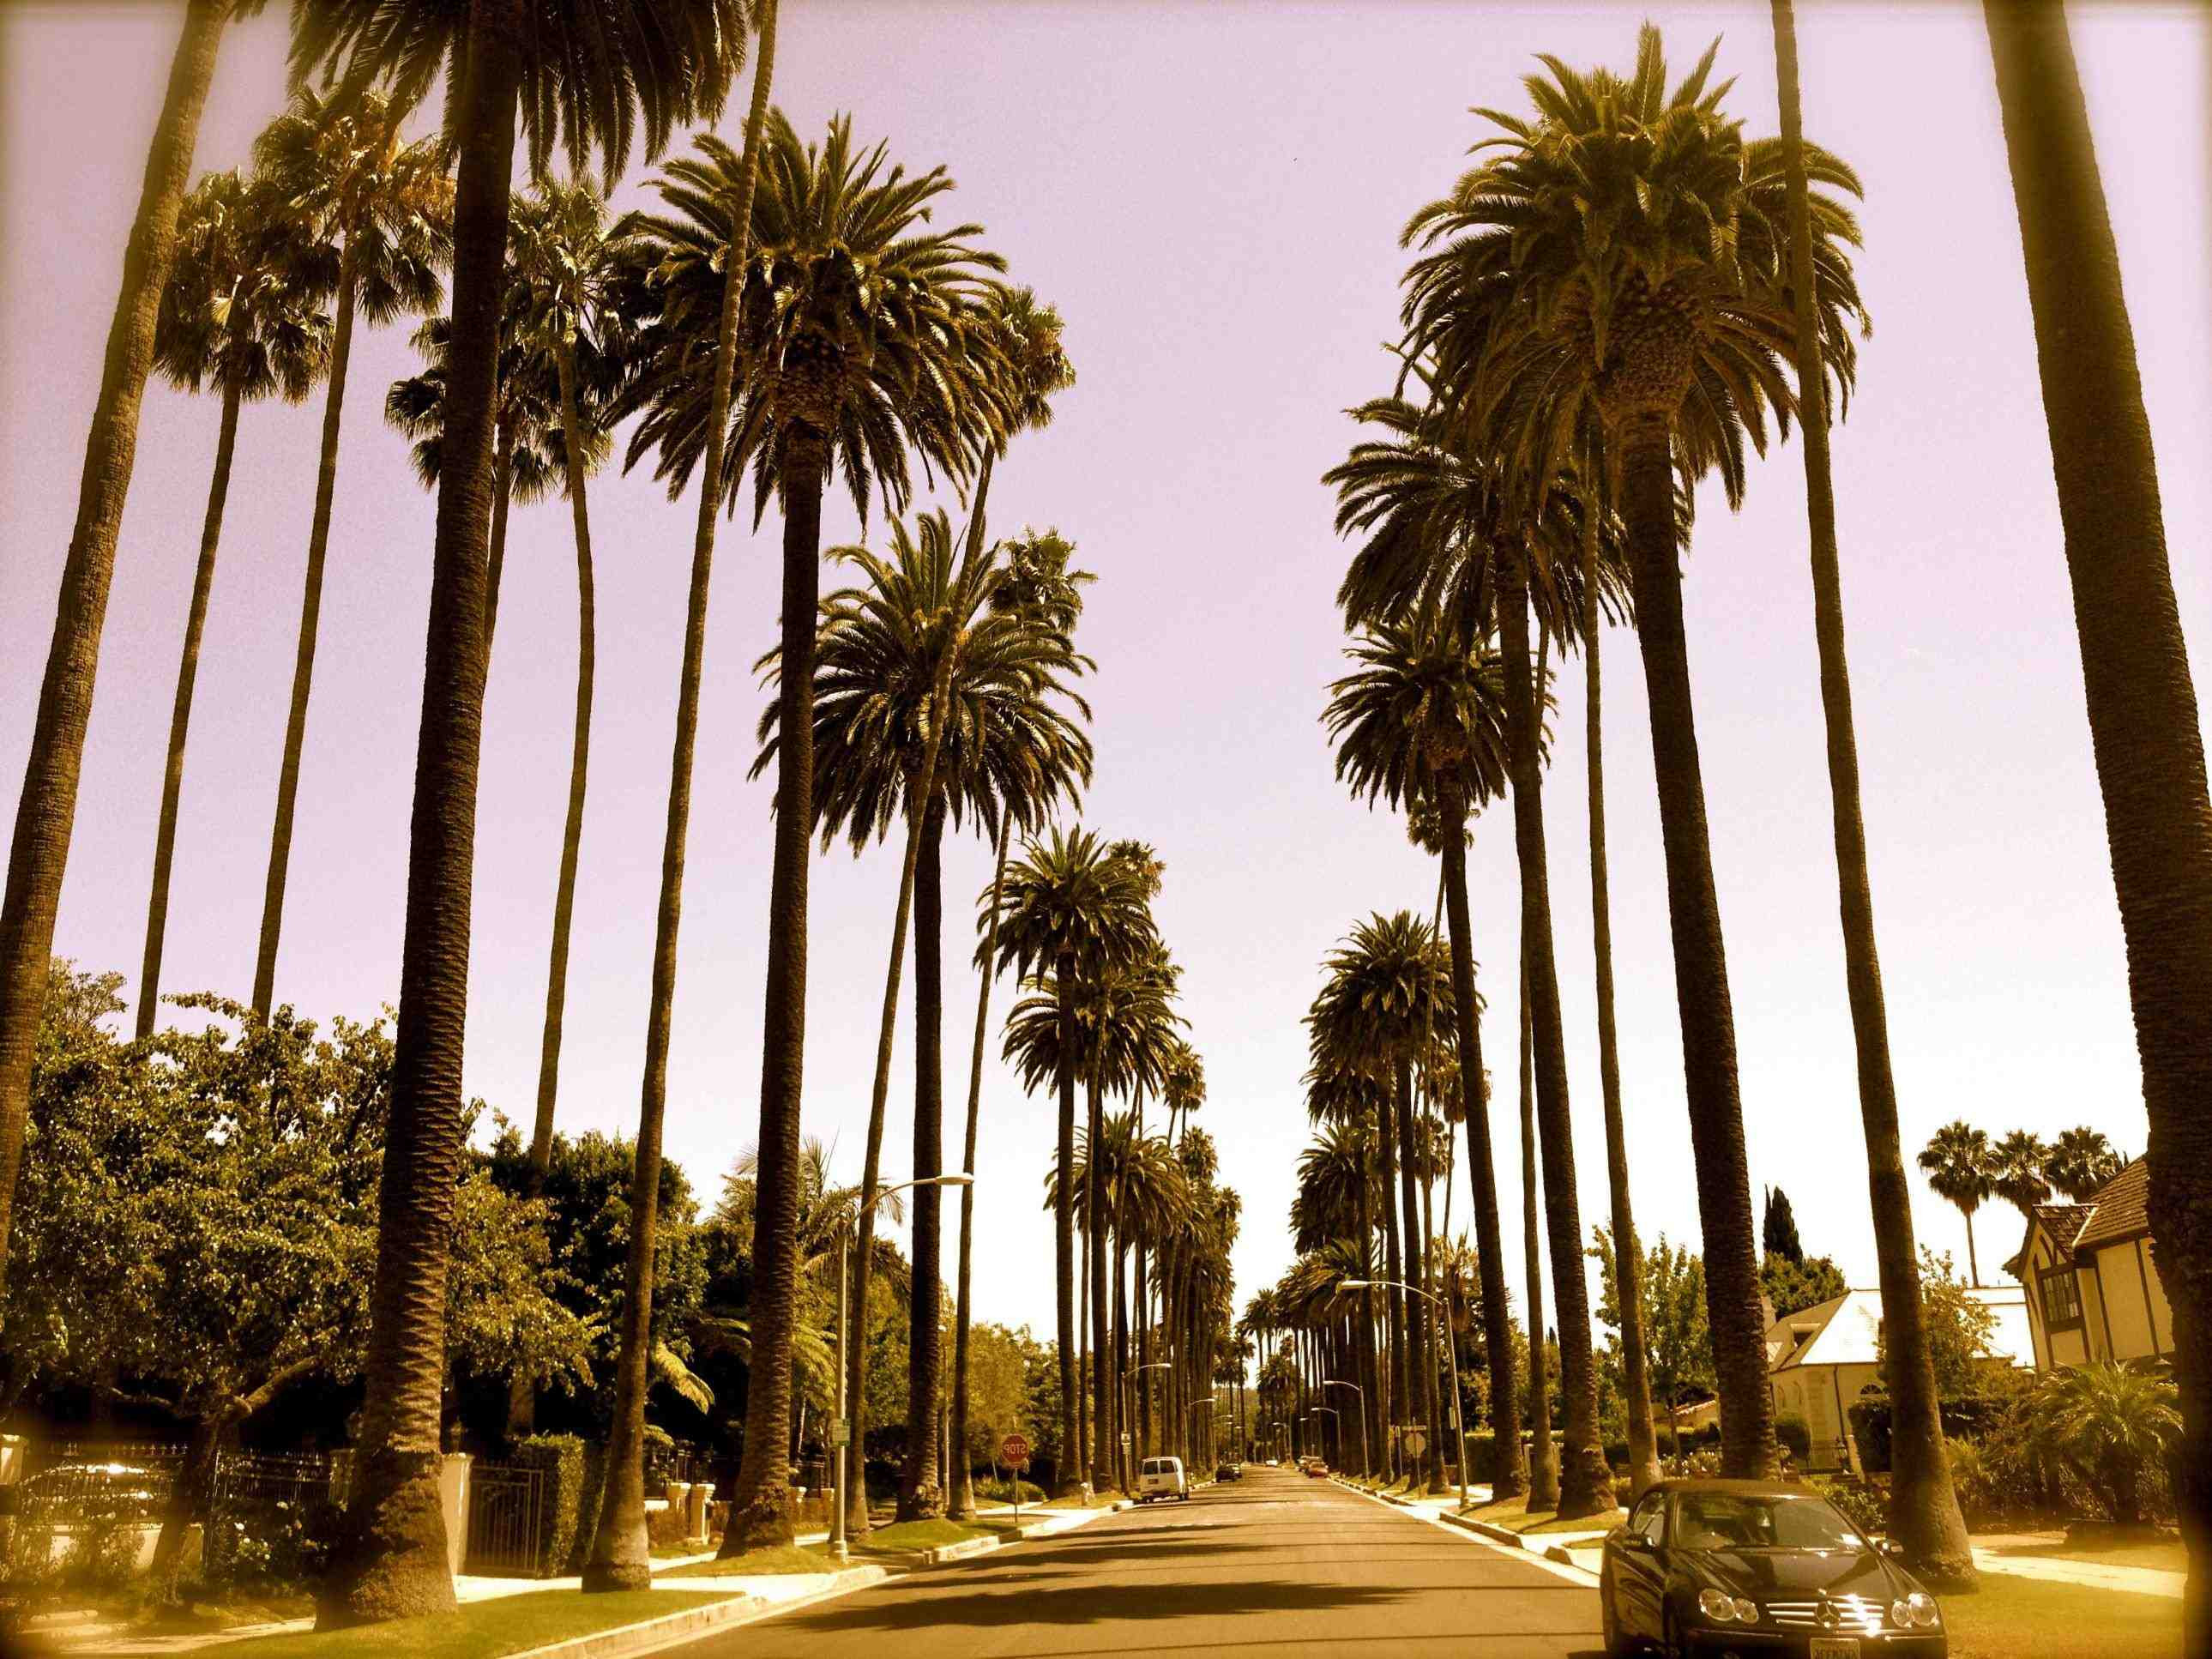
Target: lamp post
x=1333 y=1412
x=1366 y=1462
x=1451 y=1350
x=1208 y=1404
x=844 y=1432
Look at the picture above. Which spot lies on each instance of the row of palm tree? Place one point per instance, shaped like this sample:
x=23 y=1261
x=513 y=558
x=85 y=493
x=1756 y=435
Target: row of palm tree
x=1965 y=1168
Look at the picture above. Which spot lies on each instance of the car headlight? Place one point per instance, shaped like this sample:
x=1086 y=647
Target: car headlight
x=1720 y=1607
x=1747 y=1612
x=1923 y=1611
x=1901 y=1615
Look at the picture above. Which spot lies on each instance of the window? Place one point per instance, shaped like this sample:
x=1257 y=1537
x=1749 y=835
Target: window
x=2061 y=1299
x=1651 y=1516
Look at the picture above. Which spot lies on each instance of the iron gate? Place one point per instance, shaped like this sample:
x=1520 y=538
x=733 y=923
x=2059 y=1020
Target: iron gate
x=509 y=1515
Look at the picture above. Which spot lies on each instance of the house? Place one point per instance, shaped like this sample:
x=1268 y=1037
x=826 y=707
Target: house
x=1820 y=1359
x=2092 y=1286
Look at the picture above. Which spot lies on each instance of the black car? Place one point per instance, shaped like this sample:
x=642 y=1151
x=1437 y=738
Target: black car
x=1229 y=1472
x=1744 y=1568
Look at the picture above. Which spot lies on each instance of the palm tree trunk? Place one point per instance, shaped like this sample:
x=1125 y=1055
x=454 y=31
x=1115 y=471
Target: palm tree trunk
x=1628 y=1259
x=2143 y=714
x=310 y=613
x=1072 y=1459
x=1973 y=1266
x=921 y=1494
x=1585 y=1482
x=1120 y=1357
x=1508 y=1473
x=1094 y=1233
x=1438 y=1327
x=1418 y=1324
x=1544 y=1457
x=1924 y=1509
x=390 y=1560
x=46 y=812
x=502 y=499
x=1370 y=1405
x=964 y=1494
x=1701 y=987
x=1394 y=1264
x=180 y=715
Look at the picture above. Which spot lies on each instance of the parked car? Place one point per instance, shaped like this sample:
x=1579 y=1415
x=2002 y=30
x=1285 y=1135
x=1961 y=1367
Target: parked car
x=1161 y=1477
x=1315 y=1468
x=1229 y=1472
x=1713 y=1567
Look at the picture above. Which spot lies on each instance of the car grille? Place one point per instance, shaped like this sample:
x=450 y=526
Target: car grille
x=1857 y=1615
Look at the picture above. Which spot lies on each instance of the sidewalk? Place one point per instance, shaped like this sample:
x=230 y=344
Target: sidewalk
x=1572 y=1549
x=2020 y=1555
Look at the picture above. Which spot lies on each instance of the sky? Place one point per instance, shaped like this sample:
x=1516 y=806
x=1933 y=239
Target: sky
x=1212 y=195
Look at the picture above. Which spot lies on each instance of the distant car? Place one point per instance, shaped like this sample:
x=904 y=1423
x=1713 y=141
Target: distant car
x=1162 y=1478
x=1713 y=1567
x=1316 y=1468
x=1229 y=1472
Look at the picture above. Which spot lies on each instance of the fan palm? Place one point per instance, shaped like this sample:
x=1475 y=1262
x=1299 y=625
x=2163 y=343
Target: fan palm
x=932 y=699
x=1068 y=909
x=242 y=314
x=857 y=334
x=2016 y=1171
x=1961 y=1169
x=551 y=69
x=1625 y=259
x=2145 y=721
x=2079 y=1162
x=46 y=810
x=383 y=211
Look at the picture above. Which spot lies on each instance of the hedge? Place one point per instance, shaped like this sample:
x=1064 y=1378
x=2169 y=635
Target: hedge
x=571 y=1468
x=1796 y=1434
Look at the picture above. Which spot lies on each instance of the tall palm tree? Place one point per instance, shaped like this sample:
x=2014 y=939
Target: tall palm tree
x=860 y=334
x=2080 y=1161
x=1544 y=1491
x=1615 y=299
x=584 y=75
x=1924 y=1509
x=45 y=811
x=383 y=211
x=2016 y=1171
x=1961 y=1168
x=934 y=698
x=1069 y=907
x=242 y=314
x=1184 y=1091
x=2144 y=718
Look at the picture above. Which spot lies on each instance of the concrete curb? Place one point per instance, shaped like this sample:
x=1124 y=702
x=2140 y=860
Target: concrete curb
x=691 y=1622
x=961 y=1551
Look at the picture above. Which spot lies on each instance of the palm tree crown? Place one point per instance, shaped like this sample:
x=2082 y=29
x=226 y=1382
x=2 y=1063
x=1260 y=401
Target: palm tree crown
x=242 y=308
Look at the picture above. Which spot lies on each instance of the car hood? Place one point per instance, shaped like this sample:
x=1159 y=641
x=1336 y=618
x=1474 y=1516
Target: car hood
x=1767 y=1572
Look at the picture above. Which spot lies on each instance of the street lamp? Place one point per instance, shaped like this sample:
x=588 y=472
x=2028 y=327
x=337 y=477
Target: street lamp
x=843 y=1434
x=1333 y=1412
x=1366 y=1463
x=1451 y=1351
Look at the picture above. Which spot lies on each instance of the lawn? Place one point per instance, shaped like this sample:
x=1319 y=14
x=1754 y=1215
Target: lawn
x=754 y=1562
x=1515 y=1515
x=2167 y=1555
x=2011 y=1616
x=482 y=1630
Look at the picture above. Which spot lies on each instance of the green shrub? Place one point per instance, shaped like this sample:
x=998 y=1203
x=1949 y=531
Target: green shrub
x=1002 y=1491
x=589 y=1492
x=564 y=1458
x=1858 y=1503
x=1482 y=1455
x=1793 y=1432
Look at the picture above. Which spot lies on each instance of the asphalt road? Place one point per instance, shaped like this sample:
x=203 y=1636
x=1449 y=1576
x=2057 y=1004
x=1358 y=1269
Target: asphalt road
x=1274 y=1564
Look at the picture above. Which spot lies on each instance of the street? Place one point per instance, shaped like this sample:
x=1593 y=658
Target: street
x=1277 y=1564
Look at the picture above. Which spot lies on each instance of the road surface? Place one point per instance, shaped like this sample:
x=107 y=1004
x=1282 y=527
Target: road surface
x=1276 y=1565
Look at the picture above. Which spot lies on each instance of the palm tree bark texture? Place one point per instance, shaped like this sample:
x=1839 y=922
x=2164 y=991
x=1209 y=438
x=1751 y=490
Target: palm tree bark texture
x=2144 y=719
x=921 y=1491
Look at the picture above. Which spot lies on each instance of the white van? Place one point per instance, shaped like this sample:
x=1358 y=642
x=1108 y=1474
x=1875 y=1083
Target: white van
x=1161 y=1477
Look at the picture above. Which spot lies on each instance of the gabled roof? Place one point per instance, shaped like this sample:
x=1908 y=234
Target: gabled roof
x=1846 y=1330
x=2117 y=1209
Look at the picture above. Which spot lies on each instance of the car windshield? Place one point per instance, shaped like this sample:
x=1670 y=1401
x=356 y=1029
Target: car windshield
x=1730 y=1521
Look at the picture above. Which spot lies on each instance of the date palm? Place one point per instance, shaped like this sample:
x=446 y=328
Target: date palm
x=2079 y=1162
x=1068 y=909
x=587 y=76
x=2144 y=717
x=45 y=811
x=858 y=333
x=382 y=209
x=1582 y=273
x=932 y=700
x=1961 y=1169
x=242 y=315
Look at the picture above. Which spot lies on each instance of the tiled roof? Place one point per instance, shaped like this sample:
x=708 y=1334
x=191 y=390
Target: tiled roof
x=2118 y=1208
x=2064 y=1222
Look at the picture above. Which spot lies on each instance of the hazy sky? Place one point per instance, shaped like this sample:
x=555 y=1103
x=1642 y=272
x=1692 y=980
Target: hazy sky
x=1211 y=193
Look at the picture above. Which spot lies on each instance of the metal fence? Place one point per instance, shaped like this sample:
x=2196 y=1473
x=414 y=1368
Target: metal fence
x=510 y=1515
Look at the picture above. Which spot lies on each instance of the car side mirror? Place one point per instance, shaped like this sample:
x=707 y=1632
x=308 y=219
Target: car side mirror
x=1890 y=1547
x=1636 y=1540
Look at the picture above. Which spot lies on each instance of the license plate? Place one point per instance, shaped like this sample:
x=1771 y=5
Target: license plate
x=1835 y=1647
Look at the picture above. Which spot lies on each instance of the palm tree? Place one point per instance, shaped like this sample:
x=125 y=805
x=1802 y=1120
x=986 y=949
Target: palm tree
x=1615 y=299
x=383 y=209
x=2079 y=1162
x=45 y=811
x=858 y=334
x=1924 y=1509
x=242 y=314
x=1961 y=1169
x=1068 y=907
x=2144 y=718
x=2016 y=1171
x=585 y=74
x=933 y=697
x=1544 y=1457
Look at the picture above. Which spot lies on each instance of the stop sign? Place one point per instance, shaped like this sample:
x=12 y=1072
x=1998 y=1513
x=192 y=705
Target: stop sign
x=1015 y=1449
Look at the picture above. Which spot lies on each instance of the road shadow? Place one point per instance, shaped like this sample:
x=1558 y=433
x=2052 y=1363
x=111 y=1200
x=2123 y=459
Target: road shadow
x=975 y=1605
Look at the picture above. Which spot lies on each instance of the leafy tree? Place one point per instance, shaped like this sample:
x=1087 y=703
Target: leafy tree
x=1959 y=1328
x=1674 y=1314
x=1778 y=1228
x=46 y=810
x=585 y=73
x=1793 y=1286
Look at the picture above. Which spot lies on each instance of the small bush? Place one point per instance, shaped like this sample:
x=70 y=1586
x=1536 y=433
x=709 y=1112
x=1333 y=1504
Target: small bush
x=1002 y=1491
x=562 y=1456
x=1793 y=1433
x=1860 y=1504
x=1482 y=1455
